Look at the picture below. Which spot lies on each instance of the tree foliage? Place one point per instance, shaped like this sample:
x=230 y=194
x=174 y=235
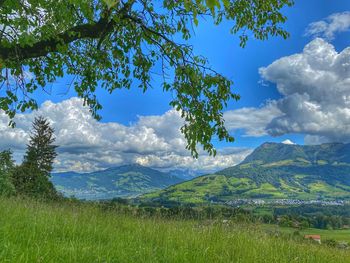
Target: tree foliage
x=113 y=44
x=6 y=170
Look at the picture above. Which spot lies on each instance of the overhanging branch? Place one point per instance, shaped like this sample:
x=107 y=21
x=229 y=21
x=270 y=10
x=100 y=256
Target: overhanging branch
x=2 y=2
x=44 y=47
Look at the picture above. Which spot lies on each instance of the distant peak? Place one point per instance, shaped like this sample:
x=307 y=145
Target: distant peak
x=267 y=144
x=125 y=165
x=135 y=165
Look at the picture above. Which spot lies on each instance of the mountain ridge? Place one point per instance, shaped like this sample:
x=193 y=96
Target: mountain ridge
x=271 y=171
x=308 y=152
x=121 y=181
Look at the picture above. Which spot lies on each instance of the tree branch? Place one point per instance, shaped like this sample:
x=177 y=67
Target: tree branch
x=43 y=47
x=2 y=2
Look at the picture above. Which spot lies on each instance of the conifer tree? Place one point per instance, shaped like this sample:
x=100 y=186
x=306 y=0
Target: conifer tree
x=32 y=176
x=41 y=150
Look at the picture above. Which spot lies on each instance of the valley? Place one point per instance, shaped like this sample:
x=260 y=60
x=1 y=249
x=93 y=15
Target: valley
x=123 y=181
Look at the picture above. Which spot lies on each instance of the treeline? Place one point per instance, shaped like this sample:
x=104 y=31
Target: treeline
x=322 y=217
x=318 y=221
x=31 y=177
x=123 y=206
x=306 y=216
x=299 y=221
x=313 y=210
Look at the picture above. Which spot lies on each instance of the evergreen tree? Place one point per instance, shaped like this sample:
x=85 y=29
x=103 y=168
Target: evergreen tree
x=32 y=176
x=41 y=151
x=6 y=169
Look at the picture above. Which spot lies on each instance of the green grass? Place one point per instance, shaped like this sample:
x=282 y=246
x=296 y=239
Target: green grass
x=267 y=189
x=37 y=232
x=337 y=235
x=279 y=163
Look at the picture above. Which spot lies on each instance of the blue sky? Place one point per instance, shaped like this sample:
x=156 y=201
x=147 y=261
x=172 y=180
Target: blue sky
x=259 y=90
x=223 y=51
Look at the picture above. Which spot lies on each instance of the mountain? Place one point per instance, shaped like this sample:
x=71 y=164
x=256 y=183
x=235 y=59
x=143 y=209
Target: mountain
x=123 y=181
x=272 y=171
x=185 y=174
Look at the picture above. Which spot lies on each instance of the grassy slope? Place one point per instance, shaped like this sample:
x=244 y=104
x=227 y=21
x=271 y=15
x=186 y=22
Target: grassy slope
x=35 y=232
x=252 y=181
x=272 y=171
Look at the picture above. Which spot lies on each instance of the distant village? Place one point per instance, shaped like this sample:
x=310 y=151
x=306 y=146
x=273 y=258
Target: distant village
x=287 y=202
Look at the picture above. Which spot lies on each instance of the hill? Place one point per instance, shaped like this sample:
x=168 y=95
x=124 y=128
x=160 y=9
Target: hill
x=272 y=171
x=185 y=174
x=38 y=232
x=122 y=181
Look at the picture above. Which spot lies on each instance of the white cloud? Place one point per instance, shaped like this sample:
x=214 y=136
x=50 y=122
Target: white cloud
x=86 y=145
x=335 y=23
x=225 y=158
x=288 y=142
x=252 y=120
x=316 y=89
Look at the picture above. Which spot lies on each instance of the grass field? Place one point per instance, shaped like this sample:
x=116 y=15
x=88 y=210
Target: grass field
x=36 y=232
x=337 y=235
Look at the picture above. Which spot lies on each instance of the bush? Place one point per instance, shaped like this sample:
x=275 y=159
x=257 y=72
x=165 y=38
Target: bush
x=6 y=170
x=330 y=242
x=30 y=181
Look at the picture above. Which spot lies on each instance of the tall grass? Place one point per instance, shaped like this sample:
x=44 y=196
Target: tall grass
x=38 y=232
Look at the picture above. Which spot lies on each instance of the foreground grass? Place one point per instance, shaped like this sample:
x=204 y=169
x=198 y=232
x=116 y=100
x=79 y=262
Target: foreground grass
x=37 y=232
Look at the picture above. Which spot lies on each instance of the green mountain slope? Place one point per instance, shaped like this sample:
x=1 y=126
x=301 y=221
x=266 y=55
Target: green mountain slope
x=123 y=181
x=272 y=171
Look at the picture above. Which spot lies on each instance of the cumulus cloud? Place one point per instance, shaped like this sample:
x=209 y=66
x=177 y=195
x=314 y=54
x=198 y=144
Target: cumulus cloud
x=335 y=23
x=315 y=85
x=315 y=90
x=225 y=158
x=252 y=120
x=86 y=144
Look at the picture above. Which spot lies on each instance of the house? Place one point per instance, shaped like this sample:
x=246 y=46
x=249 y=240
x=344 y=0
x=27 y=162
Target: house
x=316 y=238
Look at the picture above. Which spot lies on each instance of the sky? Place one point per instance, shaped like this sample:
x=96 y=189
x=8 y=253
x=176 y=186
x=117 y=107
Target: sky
x=292 y=91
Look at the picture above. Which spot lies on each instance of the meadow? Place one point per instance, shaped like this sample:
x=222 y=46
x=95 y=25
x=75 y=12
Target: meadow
x=326 y=234
x=33 y=231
